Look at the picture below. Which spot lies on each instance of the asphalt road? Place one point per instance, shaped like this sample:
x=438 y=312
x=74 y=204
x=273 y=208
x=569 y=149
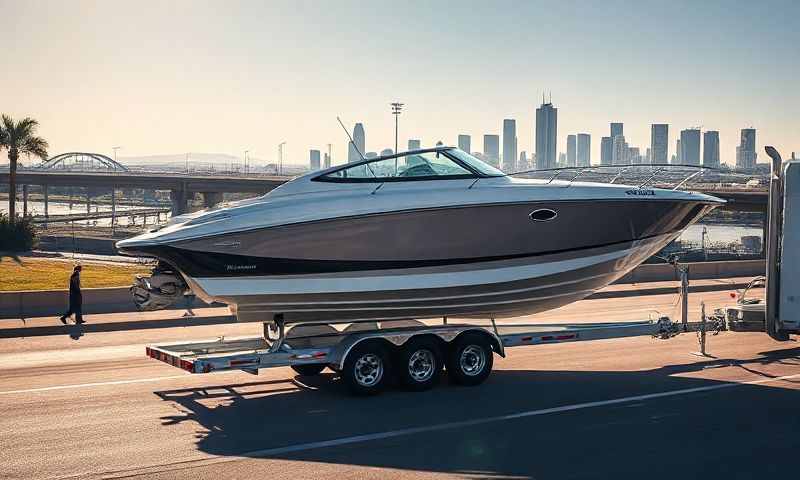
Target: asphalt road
x=96 y=407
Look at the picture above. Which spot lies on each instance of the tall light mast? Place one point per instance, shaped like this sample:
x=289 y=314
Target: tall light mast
x=397 y=107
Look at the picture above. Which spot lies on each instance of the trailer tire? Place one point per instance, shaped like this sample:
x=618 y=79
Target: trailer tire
x=469 y=359
x=419 y=364
x=367 y=368
x=309 y=369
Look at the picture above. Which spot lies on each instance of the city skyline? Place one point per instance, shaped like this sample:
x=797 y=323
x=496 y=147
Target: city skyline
x=254 y=79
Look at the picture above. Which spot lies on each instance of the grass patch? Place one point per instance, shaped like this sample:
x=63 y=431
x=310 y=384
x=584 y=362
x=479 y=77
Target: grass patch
x=49 y=274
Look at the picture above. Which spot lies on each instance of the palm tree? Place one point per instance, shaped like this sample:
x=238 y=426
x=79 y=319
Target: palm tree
x=19 y=138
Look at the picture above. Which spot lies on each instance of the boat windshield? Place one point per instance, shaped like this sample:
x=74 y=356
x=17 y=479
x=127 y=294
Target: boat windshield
x=415 y=166
x=474 y=163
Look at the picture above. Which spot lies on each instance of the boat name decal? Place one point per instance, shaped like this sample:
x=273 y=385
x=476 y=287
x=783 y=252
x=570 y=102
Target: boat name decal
x=640 y=191
x=231 y=244
x=232 y=268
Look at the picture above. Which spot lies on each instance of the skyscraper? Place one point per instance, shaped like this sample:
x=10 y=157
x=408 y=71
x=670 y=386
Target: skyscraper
x=659 y=142
x=619 y=152
x=678 y=152
x=360 y=140
x=571 y=150
x=606 y=151
x=313 y=160
x=491 y=149
x=465 y=143
x=690 y=146
x=509 y=145
x=584 y=150
x=562 y=160
x=326 y=161
x=546 y=131
x=414 y=144
x=616 y=129
x=634 y=155
x=523 y=164
x=746 y=151
x=711 y=148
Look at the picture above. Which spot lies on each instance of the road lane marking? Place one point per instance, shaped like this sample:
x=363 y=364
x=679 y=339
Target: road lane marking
x=268 y=452
x=95 y=384
x=499 y=418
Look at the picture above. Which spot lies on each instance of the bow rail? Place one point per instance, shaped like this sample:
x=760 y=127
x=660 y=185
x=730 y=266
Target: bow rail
x=669 y=176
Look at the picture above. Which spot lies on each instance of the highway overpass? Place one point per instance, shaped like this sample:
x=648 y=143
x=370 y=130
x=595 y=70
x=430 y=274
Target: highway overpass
x=183 y=187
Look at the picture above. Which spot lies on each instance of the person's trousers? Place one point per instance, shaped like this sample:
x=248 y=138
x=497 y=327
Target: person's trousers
x=74 y=308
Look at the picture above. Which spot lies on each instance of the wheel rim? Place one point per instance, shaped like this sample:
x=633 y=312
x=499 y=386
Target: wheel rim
x=473 y=360
x=421 y=365
x=368 y=370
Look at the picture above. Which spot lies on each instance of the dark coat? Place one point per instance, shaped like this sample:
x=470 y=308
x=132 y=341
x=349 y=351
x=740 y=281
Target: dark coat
x=75 y=288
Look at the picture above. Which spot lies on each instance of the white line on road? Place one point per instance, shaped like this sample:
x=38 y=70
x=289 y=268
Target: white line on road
x=499 y=418
x=95 y=384
x=433 y=428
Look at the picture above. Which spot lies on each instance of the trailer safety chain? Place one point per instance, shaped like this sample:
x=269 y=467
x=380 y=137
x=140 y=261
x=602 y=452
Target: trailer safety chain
x=666 y=329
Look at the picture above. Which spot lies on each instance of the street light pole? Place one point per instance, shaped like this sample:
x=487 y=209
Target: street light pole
x=397 y=107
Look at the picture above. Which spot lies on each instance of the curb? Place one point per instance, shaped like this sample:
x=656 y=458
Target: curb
x=666 y=290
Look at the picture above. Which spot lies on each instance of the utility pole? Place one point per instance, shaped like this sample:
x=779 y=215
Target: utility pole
x=397 y=107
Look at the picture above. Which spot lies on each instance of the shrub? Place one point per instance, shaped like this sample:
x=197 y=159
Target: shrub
x=18 y=236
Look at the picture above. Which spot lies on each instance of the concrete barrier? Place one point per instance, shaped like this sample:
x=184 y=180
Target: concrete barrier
x=662 y=272
x=78 y=244
x=45 y=303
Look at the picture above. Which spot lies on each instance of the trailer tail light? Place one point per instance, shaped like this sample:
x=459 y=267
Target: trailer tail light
x=306 y=356
x=187 y=365
x=557 y=338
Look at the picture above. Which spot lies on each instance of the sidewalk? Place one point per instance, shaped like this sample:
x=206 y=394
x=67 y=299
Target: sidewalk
x=109 y=322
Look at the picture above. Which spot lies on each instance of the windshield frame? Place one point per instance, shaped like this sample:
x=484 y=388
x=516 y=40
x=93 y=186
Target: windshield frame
x=474 y=172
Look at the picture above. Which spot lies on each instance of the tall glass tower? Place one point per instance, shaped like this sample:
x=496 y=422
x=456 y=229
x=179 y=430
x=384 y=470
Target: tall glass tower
x=546 y=132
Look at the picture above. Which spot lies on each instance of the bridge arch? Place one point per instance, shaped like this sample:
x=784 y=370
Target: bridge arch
x=82 y=162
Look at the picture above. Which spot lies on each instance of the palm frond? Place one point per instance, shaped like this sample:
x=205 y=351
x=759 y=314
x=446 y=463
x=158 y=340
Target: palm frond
x=36 y=146
x=6 y=125
x=16 y=135
x=26 y=128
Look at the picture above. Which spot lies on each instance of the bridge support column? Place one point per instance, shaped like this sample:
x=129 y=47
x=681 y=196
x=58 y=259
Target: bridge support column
x=24 y=200
x=46 y=205
x=211 y=198
x=178 y=198
x=113 y=209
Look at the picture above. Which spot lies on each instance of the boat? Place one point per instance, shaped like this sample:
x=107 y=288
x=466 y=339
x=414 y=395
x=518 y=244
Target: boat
x=421 y=234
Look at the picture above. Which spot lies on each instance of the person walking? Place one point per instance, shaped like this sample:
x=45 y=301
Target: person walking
x=75 y=298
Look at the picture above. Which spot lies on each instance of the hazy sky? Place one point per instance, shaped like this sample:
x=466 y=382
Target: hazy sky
x=222 y=76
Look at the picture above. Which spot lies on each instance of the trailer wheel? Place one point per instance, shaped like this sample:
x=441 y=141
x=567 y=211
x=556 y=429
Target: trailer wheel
x=366 y=369
x=419 y=364
x=310 y=369
x=469 y=359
